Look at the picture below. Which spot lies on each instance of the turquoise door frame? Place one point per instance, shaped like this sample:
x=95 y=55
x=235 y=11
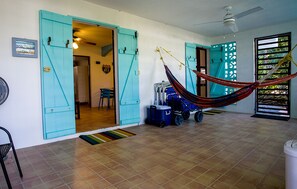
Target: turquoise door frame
x=127 y=72
x=57 y=74
x=95 y=23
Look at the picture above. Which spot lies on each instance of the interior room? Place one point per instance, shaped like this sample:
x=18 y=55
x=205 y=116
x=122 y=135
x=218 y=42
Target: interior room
x=148 y=94
x=93 y=75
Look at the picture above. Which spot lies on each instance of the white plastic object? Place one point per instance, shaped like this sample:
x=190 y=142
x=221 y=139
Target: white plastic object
x=290 y=149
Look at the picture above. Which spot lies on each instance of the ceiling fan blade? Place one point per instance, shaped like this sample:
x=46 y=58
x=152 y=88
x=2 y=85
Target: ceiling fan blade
x=90 y=43
x=212 y=22
x=248 y=12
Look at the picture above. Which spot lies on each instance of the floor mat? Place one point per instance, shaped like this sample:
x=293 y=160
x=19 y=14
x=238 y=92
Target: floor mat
x=106 y=136
x=213 y=112
x=271 y=117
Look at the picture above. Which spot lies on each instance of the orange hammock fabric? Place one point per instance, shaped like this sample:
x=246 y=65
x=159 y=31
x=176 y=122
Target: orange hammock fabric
x=238 y=84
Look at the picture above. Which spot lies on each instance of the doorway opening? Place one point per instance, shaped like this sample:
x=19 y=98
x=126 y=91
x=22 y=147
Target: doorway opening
x=201 y=55
x=82 y=83
x=93 y=62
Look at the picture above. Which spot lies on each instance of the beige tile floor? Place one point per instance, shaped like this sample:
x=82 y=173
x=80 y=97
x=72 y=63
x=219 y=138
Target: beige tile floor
x=225 y=151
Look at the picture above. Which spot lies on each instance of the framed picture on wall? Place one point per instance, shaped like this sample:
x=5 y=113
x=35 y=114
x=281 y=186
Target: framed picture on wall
x=24 y=48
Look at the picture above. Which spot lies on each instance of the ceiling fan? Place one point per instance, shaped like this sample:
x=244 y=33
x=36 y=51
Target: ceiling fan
x=77 y=39
x=229 y=20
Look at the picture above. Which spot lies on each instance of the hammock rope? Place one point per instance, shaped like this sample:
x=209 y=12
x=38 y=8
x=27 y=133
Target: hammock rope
x=245 y=90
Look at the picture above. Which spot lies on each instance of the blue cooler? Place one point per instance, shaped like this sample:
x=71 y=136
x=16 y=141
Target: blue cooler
x=158 y=115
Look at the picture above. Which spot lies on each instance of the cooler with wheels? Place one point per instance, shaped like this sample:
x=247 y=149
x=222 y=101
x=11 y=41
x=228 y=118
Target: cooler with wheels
x=158 y=115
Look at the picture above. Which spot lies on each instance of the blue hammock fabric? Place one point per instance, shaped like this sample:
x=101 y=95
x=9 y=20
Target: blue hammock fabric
x=204 y=102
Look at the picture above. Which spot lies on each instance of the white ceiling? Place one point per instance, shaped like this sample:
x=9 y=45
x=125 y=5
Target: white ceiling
x=188 y=14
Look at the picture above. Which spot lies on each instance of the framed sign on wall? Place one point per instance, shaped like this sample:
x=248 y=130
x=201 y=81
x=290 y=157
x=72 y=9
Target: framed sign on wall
x=24 y=48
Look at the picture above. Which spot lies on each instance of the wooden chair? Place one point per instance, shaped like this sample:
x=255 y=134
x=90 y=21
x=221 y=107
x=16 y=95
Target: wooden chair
x=4 y=149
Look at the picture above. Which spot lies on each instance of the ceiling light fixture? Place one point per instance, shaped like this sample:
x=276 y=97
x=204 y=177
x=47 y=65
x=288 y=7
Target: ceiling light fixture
x=75 y=45
x=230 y=23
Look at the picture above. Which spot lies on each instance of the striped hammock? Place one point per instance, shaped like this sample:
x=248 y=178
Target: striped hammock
x=246 y=88
x=204 y=102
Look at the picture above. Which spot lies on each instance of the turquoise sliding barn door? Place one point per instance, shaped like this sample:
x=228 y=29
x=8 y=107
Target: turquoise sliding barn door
x=57 y=75
x=191 y=62
x=223 y=65
x=216 y=69
x=128 y=77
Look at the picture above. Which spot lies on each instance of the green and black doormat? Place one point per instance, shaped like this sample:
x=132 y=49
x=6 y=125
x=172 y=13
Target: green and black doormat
x=106 y=136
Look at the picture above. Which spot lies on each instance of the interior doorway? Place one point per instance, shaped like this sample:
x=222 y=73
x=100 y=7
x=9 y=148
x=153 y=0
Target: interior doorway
x=93 y=71
x=201 y=55
x=82 y=83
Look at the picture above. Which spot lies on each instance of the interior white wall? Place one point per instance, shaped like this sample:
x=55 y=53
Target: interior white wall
x=21 y=113
x=98 y=78
x=82 y=81
x=246 y=61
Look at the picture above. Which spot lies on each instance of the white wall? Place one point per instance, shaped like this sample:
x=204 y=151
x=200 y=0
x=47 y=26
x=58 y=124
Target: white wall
x=21 y=113
x=83 y=83
x=246 y=61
